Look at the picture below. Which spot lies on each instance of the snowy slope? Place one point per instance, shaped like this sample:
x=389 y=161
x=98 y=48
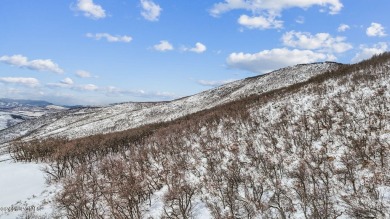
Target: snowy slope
x=13 y=111
x=12 y=115
x=23 y=189
x=317 y=149
x=88 y=121
x=6 y=120
x=30 y=189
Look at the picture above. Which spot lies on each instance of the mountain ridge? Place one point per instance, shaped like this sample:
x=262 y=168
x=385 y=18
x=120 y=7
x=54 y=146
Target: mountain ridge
x=86 y=121
x=7 y=103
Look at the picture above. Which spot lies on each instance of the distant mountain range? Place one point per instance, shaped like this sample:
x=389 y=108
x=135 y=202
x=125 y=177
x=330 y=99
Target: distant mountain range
x=6 y=103
x=14 y=111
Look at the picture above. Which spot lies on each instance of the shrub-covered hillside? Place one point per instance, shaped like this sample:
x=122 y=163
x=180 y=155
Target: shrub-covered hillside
x=314 y=149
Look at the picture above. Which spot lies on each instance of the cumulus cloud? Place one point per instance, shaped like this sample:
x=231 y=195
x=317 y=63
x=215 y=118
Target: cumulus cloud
x=269 y=60
x=110 y=38
x=90 y=9
x=319 y=41
x=150 y=10
x=69 y=84
x=260 y=22
x=273 y=6
x=265 y=12
x=214 y=83
x=199 y=48
x=30 y=82
x=83 y=74
x=366 y=52
x=376 y=29
x=37 y=64
x=67 y=81
x=343 y=27
x=163 y=46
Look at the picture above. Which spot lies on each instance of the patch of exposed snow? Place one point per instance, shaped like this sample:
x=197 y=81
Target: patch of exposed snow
x=23 y=187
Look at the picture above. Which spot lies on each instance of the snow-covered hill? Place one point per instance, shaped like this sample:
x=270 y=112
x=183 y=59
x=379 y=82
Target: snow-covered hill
x=316 y=149
x=16 y=111
x=8 y=120
x=269 y=148
x=82 y=122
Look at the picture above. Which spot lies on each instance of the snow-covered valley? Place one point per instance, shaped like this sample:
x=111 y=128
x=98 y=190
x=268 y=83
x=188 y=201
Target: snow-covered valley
x=13 y=112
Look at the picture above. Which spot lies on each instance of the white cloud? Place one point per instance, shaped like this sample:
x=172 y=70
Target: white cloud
x=90 y=9
x=15 y=60
x=260 y=22
x=161 y=94
x=62 y=85
x=214 y=83
x=300 y=20
x=109 y=37
x=87 y=87
x=111 y=90
x=376 y=30
x=31 y=82
x=265 y=12
x=163 y=46
x=343 y=27
x=69 y=84
x=269 y=60
x=366 y=52
x=150 y=10
x=320 y=41
x=199 y=48
x=44 y=65
x=83 y=74
x=67 y=81
x=82 y=87
x=273 y=6
x=38 y=64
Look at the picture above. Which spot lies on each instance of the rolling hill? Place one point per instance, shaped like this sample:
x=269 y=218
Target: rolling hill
x=308 y=141
x=14 y=111
x=83 y=122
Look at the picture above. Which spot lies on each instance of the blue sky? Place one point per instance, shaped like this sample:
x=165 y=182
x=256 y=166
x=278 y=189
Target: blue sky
x=102 y=51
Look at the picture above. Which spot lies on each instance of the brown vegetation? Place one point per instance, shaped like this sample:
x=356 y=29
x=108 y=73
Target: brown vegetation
x=260 y=155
